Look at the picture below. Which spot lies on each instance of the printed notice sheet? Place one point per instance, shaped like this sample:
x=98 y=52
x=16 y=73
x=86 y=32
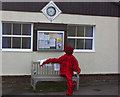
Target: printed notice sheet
x=47 y=44
x=41 y=44
x=59 y=45
x=59 y=35
x=46 y=37
x=41 y=36
x=53 y=35
x=52 y=42
x=57 y=67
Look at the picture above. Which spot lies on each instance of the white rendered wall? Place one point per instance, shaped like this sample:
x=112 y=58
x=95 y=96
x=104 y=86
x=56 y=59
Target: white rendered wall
x=119 y=45
x=103 y=61
x=0 y=43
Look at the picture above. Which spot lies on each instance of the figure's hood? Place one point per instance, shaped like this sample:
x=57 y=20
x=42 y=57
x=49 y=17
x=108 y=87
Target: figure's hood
x=68 y=50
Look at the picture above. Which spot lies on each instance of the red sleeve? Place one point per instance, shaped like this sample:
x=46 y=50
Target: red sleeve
x=76 y=65
x=54 y=60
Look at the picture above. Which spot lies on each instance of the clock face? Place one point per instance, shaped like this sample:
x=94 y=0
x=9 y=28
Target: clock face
x=51 y=11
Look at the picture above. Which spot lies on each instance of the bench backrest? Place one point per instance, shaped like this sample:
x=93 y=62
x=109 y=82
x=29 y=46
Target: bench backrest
x=36 y=69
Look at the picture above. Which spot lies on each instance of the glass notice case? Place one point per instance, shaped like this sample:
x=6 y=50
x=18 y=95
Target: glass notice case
x=50 y=40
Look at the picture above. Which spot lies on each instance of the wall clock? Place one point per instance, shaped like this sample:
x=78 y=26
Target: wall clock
x=51 y=11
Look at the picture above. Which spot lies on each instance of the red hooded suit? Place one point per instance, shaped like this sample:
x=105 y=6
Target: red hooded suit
x=68 y=65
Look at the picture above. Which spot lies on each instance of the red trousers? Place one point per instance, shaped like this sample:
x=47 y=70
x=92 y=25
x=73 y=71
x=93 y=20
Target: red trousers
x=70 y=84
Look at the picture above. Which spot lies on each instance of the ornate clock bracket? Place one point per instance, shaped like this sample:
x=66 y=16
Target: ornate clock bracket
x=51 y=11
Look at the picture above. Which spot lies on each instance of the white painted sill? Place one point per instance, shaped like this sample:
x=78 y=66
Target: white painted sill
x=30 y=50
x=84 y=51
x=16 y=50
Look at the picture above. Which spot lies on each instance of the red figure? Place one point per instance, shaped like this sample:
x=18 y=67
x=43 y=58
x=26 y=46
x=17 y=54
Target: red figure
x=68 y=65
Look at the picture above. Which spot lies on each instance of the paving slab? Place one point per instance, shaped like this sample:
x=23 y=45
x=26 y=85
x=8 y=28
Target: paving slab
x=84 y=89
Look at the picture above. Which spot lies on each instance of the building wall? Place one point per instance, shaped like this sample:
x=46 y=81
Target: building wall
x=119 y=44
x=103 y=61
x=0 y=44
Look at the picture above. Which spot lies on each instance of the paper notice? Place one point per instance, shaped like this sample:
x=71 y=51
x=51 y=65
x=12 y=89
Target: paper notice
x=59 y=35
x=57 y=67
x=41 y=36
x=46 y=37
x=41 y=44
x=52 y=42
x=47 y=44
x=59 y=39
x=53 y=35
x=59 y=45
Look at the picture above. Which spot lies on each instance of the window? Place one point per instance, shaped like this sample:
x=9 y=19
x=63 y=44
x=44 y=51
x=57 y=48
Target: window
x=50 y=40
x=17 y=37
x=81 y=38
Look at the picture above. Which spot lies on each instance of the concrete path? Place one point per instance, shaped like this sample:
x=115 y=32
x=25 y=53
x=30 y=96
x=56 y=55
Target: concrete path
x=105 y=89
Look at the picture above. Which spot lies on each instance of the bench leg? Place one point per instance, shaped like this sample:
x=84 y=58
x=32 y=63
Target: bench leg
x=77 y=84
x=32 y=82
x=34 y=85
x=77 y=81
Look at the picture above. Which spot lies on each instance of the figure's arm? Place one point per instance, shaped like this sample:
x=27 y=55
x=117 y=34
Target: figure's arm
x=76 y=66
x=54 y=60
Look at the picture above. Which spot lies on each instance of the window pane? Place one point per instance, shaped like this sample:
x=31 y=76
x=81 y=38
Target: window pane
x=26 y=43
x=6 y=29
x=72 y=31
x=26 y=29
x=80 y=31
x=16 y=29
x=16 y=42
x=80 y=44
x=71 y=42
x=6 y=42
x=88 y=44
x=88 y=31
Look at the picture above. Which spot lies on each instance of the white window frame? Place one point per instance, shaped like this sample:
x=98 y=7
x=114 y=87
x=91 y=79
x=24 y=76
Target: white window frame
x=19 y=49
x=93 y=42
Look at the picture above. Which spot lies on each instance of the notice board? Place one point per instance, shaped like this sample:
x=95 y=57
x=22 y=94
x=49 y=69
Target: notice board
x=50 y=40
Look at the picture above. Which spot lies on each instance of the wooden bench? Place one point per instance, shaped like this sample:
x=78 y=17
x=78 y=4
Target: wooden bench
x=47 y=73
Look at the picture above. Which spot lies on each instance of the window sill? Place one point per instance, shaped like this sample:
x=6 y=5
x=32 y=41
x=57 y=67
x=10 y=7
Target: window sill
x=84 y=51
x=17 y=50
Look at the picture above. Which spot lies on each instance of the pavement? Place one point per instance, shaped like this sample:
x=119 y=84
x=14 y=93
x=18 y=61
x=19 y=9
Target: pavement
x=86 y=88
